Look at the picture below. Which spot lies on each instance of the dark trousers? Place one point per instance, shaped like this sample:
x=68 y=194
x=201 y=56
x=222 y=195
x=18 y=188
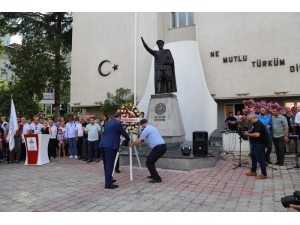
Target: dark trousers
x=298 y=131
x=269 y=150
x=52 y=148
x=6 y=150
x=279 y=148
x=23 y=152
x=93 y=149
x=85 y=148
x=257 y=156
x=108 y=156
x=18 y=144
x=157 y=152
x=79 y=145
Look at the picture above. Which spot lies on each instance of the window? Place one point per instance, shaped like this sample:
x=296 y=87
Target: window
x=291 y=104
x=181 y=19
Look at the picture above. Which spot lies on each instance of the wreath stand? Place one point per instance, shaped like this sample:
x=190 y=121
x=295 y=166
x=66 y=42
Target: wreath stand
x=130 y=160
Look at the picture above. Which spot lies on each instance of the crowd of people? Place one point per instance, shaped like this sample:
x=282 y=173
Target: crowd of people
x=278 y=127
x=76 y=138
x=86 y=139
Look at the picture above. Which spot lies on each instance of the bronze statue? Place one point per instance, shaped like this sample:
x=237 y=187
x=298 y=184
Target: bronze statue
x=164 y=69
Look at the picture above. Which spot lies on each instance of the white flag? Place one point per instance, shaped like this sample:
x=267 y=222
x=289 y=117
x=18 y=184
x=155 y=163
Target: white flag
x=13 y=126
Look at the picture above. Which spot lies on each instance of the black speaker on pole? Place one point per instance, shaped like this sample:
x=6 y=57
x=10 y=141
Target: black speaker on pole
x=200 y=143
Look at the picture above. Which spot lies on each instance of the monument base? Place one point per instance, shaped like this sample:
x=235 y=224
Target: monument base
x=165 y=115
x=173 y=159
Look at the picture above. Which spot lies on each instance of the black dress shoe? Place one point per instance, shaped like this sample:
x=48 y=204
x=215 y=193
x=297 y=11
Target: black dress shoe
x=280 y=164
x=84 y=160
x=150 y=177
x=114 y=180
x=117 y=171
x=154 y=181
x=112 y=186
x=277 y=163
x=79 y=158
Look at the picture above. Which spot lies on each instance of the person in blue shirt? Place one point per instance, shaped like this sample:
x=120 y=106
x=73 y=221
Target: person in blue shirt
x=267 y=121
x=109 y=145
x=156 y=143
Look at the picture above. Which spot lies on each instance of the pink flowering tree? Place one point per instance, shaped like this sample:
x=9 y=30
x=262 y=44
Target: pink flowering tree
x=270 y=106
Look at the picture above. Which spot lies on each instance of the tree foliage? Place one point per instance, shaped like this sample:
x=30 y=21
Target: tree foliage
x=113 y=102
x=1 y=48
x=24 y=106
x=41 y=60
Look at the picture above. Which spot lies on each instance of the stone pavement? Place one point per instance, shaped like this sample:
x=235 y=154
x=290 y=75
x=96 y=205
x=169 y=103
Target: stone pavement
x=69 y=185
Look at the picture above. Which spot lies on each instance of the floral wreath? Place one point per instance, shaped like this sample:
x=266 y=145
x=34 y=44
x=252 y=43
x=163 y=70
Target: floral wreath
x=129 y=110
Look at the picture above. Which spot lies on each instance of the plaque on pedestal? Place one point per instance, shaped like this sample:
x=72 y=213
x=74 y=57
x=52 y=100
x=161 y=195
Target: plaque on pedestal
x=164 y=114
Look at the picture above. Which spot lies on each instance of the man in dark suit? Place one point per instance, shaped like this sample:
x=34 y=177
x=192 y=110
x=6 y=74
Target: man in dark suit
x=109 y=145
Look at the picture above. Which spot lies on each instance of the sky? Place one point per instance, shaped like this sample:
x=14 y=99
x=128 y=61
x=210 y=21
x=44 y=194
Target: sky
x=15 y=39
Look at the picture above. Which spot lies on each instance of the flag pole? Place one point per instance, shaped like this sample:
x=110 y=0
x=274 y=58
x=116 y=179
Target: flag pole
x=13 y=151
x=134 y=69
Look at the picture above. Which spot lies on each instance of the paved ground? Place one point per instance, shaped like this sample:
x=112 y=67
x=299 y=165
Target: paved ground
x=73 y=185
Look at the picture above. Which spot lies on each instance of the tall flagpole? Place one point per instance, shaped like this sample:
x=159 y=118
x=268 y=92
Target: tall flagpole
x=134 y=70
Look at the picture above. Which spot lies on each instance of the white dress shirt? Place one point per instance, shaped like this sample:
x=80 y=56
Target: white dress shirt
x=79 y=129
x=36 y=128
x=70 y=130
x=297 y=118
x=26 y=128
x=54 y=132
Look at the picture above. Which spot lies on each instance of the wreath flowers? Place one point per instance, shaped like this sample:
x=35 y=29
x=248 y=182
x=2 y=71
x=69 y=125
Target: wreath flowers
x=129 y=117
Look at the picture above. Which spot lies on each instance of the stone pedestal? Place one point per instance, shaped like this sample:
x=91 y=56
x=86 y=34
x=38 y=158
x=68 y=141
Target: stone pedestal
x=164 y=114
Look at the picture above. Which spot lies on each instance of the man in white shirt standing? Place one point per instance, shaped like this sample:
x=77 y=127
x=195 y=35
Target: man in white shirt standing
x=297 y=122
x=79 y=136
x=52 y=140
x=35 y=126
x=71 y=137
x=26 y=130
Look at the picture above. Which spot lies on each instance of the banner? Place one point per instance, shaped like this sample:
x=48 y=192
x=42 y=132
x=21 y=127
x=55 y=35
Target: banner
x=13 y=126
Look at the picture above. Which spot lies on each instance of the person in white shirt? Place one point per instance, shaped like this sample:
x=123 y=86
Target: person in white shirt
x=35 y=126
x=79 y=136
x=71 y=137
x=26 y=130
x=238 y=115
x=297 y=123
x=53 y=140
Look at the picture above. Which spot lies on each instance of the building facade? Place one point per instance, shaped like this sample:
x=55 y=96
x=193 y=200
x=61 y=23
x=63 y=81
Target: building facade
x=243 y=55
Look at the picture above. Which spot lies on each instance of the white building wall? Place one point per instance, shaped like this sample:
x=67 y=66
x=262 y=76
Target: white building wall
x=262 y=36
x=109 y=36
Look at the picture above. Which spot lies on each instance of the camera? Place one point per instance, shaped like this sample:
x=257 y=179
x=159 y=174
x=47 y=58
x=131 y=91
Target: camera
x=292 y=199
x=240 y=132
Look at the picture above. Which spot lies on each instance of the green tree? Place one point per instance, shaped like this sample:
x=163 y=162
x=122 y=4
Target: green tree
x=49 y=35
x=1 y=48
x=24 y=106
x=113 y=102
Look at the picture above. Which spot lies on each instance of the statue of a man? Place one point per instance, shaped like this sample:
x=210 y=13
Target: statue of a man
x=164 y=69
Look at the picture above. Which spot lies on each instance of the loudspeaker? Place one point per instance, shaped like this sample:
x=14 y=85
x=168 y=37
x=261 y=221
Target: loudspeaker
x=200 y=135
x=200 y=147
